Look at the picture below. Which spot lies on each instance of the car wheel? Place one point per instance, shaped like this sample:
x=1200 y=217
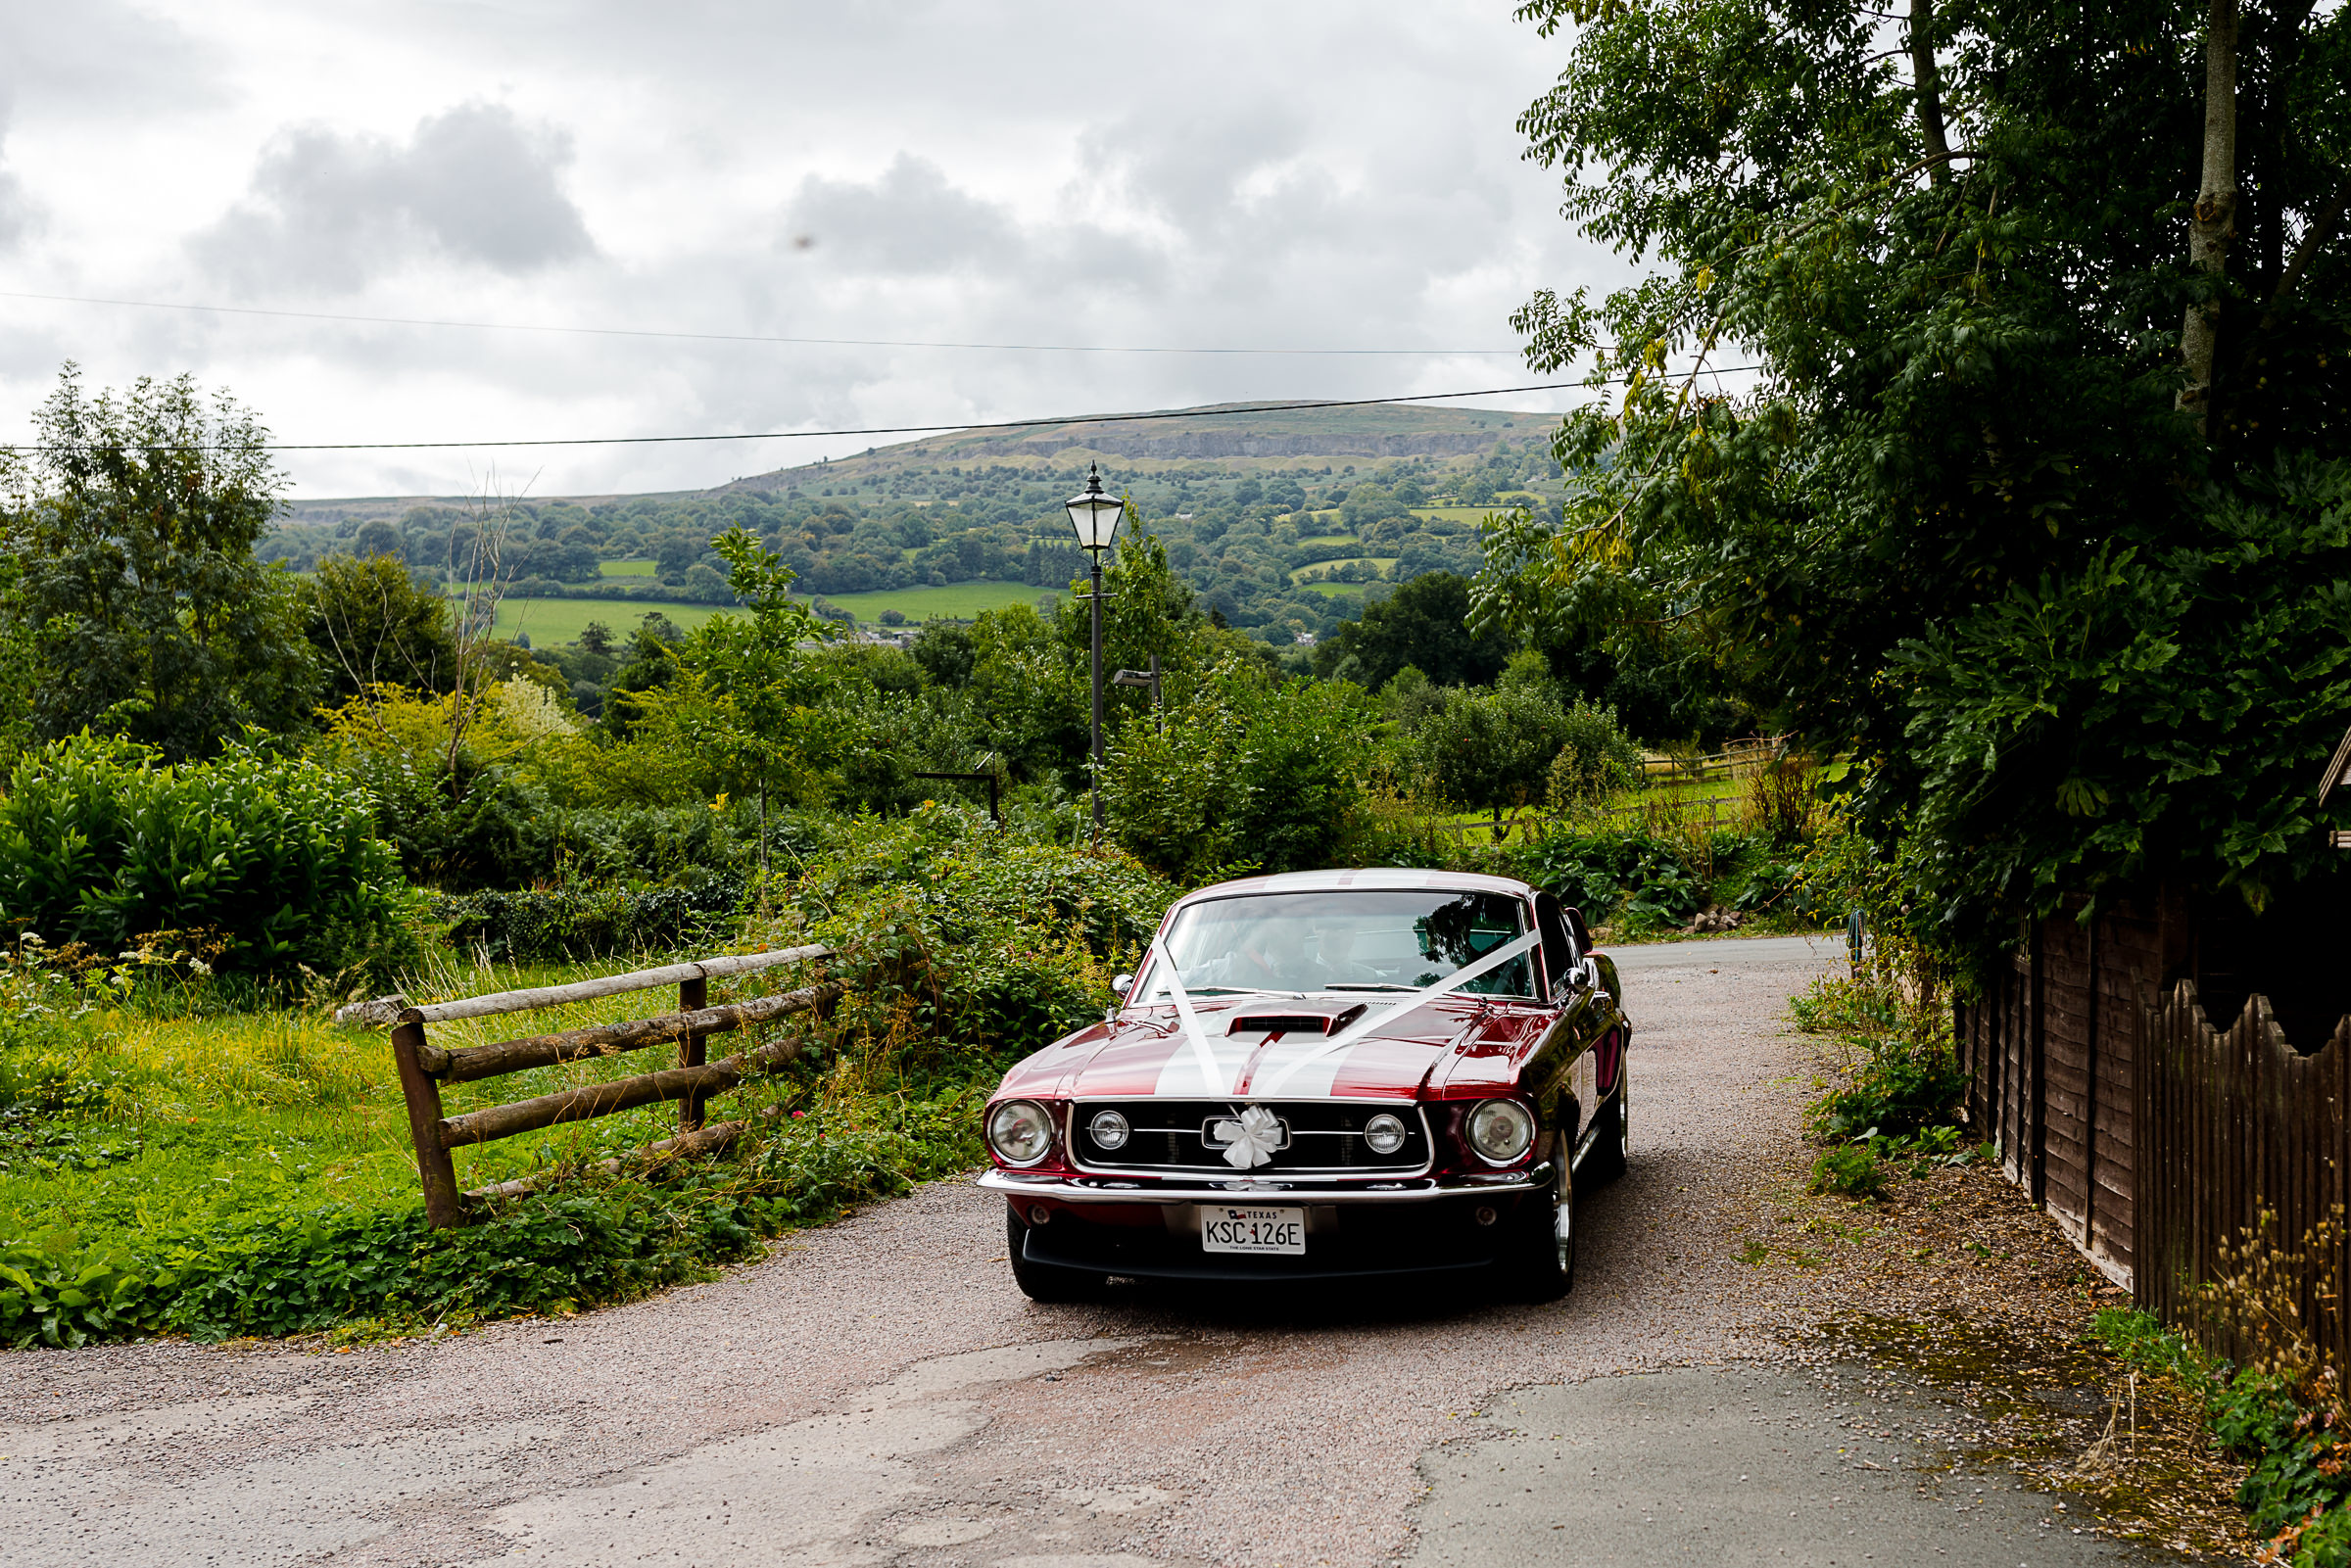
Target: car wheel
x=1546 y=1248
x=1045 y=1282
x=1605 y=1161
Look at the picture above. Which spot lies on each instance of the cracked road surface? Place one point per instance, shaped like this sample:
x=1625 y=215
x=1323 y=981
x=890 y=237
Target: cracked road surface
x=877 y=1391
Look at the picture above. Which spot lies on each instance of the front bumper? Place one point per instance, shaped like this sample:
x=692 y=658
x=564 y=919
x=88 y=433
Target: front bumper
x=1022 y=1185
x=1428 y=1226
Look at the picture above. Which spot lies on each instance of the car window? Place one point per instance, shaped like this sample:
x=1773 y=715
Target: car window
x=1355 y=939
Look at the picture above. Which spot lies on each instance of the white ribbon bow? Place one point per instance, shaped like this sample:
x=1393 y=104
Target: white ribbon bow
x=1251 y=1140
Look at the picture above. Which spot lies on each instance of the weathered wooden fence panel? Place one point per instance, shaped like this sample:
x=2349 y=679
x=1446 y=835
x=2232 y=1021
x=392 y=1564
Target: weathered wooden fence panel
x=2050 y=1054
x=2231 y=1124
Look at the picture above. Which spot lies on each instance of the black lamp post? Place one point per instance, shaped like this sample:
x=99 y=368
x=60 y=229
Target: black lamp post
x=1096 y=516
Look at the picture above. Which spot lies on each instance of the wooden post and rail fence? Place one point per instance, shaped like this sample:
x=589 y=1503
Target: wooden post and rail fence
x=425 y=1066
x=1736 y=761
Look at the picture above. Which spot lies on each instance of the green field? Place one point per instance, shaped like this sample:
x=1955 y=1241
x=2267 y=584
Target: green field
x=1329 y=538
x=957 y=601
x=625 y=568
x=1383 y=562
x=562 y=620
x=1458 y=514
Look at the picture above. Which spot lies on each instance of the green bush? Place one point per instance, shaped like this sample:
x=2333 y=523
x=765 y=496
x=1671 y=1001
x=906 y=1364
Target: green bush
x=1250 y=770
x=276 y=861
x=52 y=1292
x=2296 y=1454
x=1851 y=1169
x=1635 y=880
x=988 y=942
x=586 y=921
x=1596 y=758
x=1902 y=1084
x=1488 y=748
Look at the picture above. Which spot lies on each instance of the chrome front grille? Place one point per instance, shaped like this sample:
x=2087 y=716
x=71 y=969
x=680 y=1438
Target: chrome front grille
x=1319 y=1137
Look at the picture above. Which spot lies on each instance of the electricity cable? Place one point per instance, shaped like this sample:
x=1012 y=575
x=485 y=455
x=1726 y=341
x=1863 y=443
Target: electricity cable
x=731 y=337
x=933 y=430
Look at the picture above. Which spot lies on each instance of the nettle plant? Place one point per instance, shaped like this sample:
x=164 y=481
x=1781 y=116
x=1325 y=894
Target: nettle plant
x=102 y=843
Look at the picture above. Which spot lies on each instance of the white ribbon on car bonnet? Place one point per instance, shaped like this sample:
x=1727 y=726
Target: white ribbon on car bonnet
x=1165 y=978
x=1406 y=1004
x=1252 y=1139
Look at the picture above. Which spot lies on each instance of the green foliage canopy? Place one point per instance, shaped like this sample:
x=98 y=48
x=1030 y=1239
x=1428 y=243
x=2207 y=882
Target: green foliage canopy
x=133 y=522
x=1914 y=538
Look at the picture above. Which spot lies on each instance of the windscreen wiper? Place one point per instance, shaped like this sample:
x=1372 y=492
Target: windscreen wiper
x=1366 y=986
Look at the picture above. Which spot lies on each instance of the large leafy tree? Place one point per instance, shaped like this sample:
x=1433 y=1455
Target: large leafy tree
x=1420 y=624
x=1972 y=514
x=370 y=623
x=134 y=518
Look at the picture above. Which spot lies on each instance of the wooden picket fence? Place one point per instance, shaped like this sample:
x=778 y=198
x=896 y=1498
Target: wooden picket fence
x=2233 y=1125
x=425 y=1066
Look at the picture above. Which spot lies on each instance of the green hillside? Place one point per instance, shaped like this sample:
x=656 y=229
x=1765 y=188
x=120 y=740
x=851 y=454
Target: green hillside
x=1256 y=508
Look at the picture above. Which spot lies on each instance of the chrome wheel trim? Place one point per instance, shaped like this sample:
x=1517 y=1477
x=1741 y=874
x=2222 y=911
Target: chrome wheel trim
x=1563 y=1215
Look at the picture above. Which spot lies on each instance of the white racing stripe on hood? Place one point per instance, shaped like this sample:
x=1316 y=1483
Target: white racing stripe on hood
x=1181 y=1076
x=1305 y=1079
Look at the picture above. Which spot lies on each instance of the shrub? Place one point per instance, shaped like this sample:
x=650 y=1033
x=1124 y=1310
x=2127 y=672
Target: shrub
x=1851 y=1169
x=2296 y=1488
x=590 y=922
x=1902 y=1084
x=101 y=843
x=1635 y=880
x=1488 y=748
x=1251 y=770
x=1596 y=758
x=991 y=943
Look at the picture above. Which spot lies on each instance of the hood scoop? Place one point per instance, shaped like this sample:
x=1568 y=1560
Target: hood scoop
x=1295 y=1023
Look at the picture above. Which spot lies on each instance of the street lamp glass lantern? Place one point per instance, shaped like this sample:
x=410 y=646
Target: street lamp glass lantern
x=1094 y=515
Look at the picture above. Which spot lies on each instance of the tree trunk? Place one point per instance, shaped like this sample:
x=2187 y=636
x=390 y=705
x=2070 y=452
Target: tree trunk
x=1928 y=86
x=2215 y=222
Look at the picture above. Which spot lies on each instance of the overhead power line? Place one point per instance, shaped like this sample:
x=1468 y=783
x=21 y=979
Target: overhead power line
x=731 y=337
x=934 y=430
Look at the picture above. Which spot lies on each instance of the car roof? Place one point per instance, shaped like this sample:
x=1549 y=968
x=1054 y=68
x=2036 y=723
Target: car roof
x=1373 y=878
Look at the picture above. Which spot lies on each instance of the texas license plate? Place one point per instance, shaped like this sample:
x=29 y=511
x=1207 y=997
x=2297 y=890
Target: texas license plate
x=1252 y=1230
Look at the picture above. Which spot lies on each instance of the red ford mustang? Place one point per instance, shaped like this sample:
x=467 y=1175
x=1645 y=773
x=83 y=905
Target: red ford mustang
x=1324 y=1074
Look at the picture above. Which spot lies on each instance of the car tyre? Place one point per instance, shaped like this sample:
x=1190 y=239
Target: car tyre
x=1046 y=1282
x=1545 y=1254
x=1606 y=1161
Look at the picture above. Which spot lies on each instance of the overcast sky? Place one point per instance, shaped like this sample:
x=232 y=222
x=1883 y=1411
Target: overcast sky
x=1209 y=175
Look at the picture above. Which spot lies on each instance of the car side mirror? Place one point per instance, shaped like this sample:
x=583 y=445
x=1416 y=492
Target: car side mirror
x=1122 y=983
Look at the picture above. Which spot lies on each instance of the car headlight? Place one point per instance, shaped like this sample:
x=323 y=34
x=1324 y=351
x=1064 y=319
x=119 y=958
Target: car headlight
x=1385 y=1134
x=1108 y=1129
x=1020 y=1132
x=1501 y=1130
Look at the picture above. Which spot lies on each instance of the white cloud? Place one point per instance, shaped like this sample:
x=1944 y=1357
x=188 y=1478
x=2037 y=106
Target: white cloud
x=328 y=213
x=1335 y=174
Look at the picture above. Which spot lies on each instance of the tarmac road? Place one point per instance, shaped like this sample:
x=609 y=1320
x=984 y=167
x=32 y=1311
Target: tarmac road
x=877 y=1391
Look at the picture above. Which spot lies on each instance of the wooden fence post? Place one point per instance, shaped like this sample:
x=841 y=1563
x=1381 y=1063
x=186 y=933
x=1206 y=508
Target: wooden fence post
x=443 y=1205
x=693 y=996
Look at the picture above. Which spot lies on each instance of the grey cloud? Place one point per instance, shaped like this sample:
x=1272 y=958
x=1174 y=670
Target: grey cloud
x=909 y=222
x=329 y=212
x=913 y=223
x=17 y=215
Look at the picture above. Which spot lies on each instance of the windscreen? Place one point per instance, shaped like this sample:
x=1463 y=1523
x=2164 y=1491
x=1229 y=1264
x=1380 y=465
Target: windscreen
x=1367 y=940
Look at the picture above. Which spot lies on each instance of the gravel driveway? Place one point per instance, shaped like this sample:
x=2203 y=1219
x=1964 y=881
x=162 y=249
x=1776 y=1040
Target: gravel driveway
x=878 y=1391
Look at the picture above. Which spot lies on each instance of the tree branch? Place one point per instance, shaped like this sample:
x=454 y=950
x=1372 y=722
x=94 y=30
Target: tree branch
x=1927 y=86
